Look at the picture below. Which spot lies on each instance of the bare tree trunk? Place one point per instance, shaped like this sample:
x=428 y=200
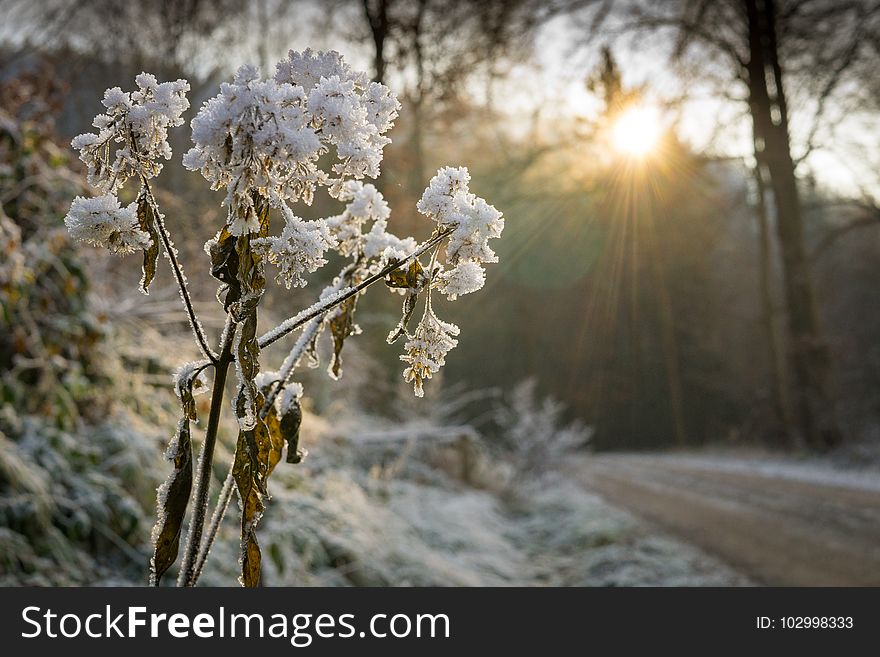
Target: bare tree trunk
x=810 y=358
x=377 y=18
x=776 y=366
x=416 y=178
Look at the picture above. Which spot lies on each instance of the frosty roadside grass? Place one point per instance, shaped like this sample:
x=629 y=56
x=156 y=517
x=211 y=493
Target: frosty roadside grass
x=262 y=141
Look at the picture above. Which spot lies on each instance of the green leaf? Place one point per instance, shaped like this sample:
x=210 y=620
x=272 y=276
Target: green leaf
x=147 y=222
x=172 y=498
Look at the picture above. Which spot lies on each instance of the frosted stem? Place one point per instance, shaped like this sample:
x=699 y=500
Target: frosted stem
x=196 y=551
x=322 y=307
x=203 y=482
x=214 y=527
x=287 y=367
x=176 y=267
x=293 y=359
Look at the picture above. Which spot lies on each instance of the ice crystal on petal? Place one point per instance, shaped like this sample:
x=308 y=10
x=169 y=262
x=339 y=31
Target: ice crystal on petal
x=466 y=277
x=365 y=204
x=132 y=134
x=449 y=202
x=254 y=136
x=439 y=201
x=306 y=69
x=265 y=136
x=426 y=350
x=101 y=221
x=299 y=249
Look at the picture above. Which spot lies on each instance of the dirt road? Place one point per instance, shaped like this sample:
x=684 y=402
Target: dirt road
x=778 y=531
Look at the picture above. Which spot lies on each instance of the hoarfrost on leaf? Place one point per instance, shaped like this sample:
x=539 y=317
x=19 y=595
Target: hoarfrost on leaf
x=288 y=398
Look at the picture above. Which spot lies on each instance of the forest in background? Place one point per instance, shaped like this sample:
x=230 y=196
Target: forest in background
x=651 y=298
x=712 y=293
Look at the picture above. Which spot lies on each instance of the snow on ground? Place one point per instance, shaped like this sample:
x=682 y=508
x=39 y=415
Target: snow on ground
x=342 y=528
x=826 y=472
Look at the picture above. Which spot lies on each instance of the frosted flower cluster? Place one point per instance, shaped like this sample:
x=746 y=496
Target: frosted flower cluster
x=472 y=223
x=101 y=221
x=466 y=277
x=132 y=134
x=265 y=136
x=365 y=204
x=299 y=249
x=426 y=350
x=449 y=202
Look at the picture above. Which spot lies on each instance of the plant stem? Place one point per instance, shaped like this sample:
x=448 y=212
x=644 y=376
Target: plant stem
x=177 y=269
x=196 y=552
x=296 y=321
x=225 y=497
x=203 y=483
x=216 y=520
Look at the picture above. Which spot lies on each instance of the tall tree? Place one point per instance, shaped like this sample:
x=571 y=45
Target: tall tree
x=436 y=47
x=771 y=47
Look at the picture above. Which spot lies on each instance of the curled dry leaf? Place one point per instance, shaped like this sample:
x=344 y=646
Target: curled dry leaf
x=147 y=222
x=172 y=500
x=412 y=280
x=250 y=471
x=341 y=326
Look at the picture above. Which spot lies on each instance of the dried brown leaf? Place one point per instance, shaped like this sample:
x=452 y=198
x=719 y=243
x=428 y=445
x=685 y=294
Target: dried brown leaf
x=250 y=471
x=341 y=326
x=173 y=498
x=147 y=222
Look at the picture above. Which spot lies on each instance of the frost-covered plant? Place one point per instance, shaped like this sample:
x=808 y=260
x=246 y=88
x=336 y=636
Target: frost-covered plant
x=270 y=143
x=537 y=437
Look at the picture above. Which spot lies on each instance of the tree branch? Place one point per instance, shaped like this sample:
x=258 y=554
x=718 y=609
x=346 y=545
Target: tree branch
x=871 y=218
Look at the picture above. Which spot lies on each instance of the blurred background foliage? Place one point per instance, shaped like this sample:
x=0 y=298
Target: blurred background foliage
x=628 y=289
x=631 y=289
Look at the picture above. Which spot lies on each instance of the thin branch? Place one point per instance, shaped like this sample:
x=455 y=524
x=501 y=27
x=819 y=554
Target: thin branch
x=293 y=323
x=176 y=267
x=214 y=526
x=203 y=483
x=827 y=90
x=870 y=219
x=688 y=28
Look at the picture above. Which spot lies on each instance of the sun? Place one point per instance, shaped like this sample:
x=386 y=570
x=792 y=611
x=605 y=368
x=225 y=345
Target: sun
x=636 y=131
